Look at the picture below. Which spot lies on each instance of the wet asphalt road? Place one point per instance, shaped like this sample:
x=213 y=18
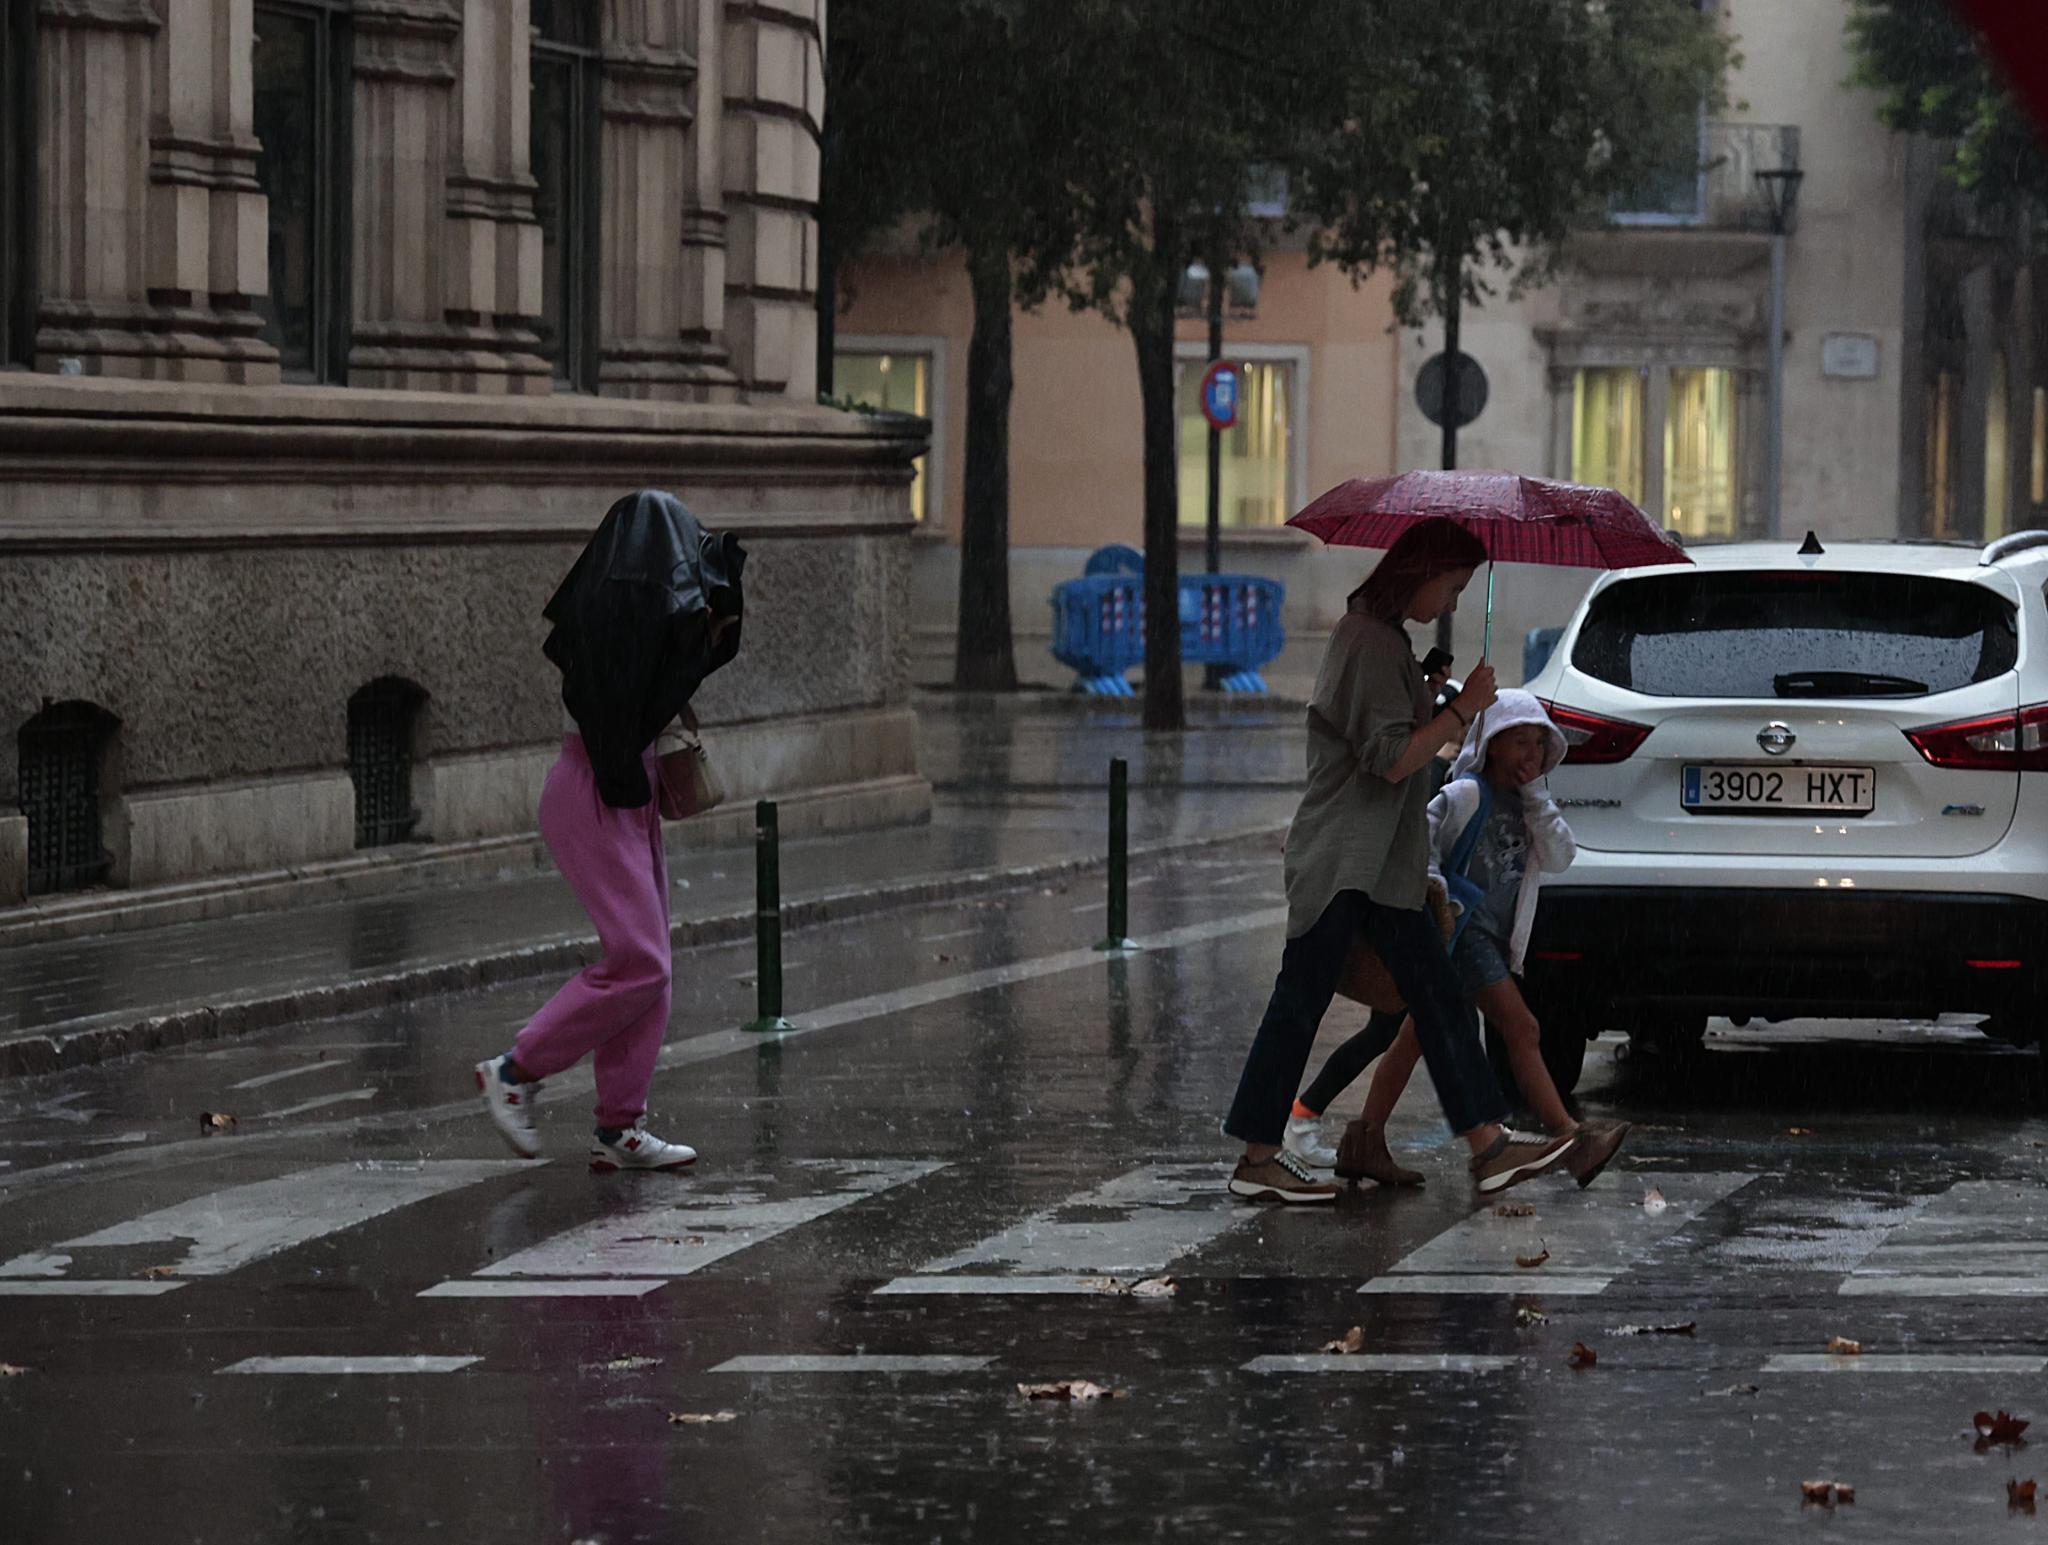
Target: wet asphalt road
x=904 y=1210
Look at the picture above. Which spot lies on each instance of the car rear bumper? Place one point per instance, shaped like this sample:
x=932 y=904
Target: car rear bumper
x=1784 y=953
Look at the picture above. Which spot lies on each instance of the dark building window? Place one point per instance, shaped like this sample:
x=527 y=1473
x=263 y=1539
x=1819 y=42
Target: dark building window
x=17 y=182
x=303 y=76
x=381 y=722
x=565 y=136
x=62 y=752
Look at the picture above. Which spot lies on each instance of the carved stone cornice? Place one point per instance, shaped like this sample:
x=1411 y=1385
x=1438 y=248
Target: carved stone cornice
x=508 y=199
x=407 y=40
x=186 y=160
x=100 y=15
x=648 y=85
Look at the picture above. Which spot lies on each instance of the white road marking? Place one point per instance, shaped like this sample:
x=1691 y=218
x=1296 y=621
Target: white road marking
x=667 y=1233
x=578 y=1082
x=60 y=1287
x=1378 y=1362
x=349 y=1097
x=1904 y=1362
x=226 y=1229
x=599 y=1287
x=334 y=1365
x=1592 y=1237
x=855 y=1362
x=298 y=1072
x=954 y=933
x=1977 y=1239
x=1161 y=1213
x=927 y=1287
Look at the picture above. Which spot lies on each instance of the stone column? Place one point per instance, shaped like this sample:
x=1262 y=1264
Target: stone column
x=405 y=72
x=658 y=339
x=206 y=214
x=493 y=271
x=774 y=65
x=94 y=157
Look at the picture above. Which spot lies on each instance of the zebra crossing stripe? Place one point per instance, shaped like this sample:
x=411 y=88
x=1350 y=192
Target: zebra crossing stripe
x=223 y=1230
x=855 y=1362
x=32 y=1287
x=1903 y=1362
x=339 y=1365
x=661 y=1235
x=1379 y=1362
x=1604 y=1233
x=599 y=1287
x=1158 y=1214
x=1977 y=1239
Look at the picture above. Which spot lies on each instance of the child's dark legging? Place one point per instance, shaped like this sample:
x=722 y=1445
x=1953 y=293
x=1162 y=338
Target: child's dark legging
x=1352 y=1059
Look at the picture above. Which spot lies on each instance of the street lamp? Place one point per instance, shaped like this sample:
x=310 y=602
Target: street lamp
x=1780 y=188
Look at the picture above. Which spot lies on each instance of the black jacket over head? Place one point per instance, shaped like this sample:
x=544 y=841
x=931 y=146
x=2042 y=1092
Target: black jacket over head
x=632 y=631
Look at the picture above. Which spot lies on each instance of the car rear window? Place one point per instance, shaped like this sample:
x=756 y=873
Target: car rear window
x=1776 y=634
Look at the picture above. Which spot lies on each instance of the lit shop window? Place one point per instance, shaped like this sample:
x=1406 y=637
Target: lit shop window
x=1607 y=429
x=898 y=383
x=1699 y=453
x=1257 y=452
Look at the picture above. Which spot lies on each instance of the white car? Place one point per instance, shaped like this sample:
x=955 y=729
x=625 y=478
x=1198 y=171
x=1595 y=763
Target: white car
x=1807 y=780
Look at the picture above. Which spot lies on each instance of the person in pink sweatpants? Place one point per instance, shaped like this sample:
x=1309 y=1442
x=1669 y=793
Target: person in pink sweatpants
x=615 y=1010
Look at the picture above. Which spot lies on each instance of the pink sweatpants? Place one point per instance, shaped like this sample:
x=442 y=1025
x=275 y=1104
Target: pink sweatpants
x=616 y=1011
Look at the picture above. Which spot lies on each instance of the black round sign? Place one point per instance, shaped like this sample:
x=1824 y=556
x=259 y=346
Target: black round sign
x=1429 y=389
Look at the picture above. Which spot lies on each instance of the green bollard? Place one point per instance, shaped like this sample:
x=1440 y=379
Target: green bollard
x=767 y=921
x=1119 y=858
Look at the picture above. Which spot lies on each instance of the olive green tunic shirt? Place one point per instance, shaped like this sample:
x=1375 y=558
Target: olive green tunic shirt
x=1354 y=830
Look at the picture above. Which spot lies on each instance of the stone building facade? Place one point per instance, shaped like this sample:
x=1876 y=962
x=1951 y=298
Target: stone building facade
x=332 y=329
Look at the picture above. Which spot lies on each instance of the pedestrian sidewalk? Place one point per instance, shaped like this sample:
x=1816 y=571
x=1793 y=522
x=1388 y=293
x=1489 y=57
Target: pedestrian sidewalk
x=1020 y=802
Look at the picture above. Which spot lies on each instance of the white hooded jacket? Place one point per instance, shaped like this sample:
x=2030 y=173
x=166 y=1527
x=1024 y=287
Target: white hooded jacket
x=1551 y=846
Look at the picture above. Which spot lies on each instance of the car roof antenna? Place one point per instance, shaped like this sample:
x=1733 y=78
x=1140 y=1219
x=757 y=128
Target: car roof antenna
x=1811 y=548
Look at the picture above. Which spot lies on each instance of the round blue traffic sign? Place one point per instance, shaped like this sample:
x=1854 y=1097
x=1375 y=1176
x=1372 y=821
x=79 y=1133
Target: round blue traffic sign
x=1220 y=394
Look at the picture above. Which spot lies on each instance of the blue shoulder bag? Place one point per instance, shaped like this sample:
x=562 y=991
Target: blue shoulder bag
x=1463 y=891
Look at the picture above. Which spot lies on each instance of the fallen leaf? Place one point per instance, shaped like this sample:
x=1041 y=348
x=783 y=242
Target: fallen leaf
x=1155 y=1287
x=1582 y=1356
x=158 y=1273
x=2020 y=1494
x=1685 y=1328
x=1531 y=1262
x=15 y=1371
x=2001 y=1428
x=1353 y=1340
x=943 y=959
x=1827 y=1493
x=1799 y=1131
x=1842 y=1346
x=1526 y=1316
x=693 y=1239
x=1514 y=1210
x=1735 y=1389
x=700 y=1418
x=212 y=1121
x=1067 y=1389
x=627 y=1364
x=1653 y=1201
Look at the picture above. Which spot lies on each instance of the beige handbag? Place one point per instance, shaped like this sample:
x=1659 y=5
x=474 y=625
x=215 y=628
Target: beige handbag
x=1366 y=978
x=689 y=784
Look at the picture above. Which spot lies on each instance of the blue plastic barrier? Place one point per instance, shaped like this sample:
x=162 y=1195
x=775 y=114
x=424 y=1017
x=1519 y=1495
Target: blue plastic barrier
x=1227 y=620
x=1537 y=649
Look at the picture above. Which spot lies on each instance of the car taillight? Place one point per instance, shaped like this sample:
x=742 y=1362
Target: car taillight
x=1593 y=740
x=2004 y=742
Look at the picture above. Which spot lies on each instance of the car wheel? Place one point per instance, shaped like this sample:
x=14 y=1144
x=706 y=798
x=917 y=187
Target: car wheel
x=1675 y=1038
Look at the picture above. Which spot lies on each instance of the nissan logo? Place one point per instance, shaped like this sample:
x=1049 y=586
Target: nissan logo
x=1777 y=739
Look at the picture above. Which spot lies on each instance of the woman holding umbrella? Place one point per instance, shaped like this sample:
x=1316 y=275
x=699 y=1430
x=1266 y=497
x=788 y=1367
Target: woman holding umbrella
x=1357 y=861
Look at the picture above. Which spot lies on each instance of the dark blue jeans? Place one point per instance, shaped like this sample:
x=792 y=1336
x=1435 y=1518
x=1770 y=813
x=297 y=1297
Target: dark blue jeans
x=1309 y=967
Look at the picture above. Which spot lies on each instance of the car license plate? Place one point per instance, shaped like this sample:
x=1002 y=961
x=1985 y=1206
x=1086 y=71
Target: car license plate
x=1779 y=790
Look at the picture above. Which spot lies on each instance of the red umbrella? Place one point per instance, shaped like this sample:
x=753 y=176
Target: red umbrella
x=1520 y=519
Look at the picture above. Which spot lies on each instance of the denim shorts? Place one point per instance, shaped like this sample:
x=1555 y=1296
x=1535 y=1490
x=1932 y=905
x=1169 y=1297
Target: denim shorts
x=1478 y=962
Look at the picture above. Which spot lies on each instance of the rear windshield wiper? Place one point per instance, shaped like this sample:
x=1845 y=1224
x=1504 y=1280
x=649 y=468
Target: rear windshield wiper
x=1847 y=684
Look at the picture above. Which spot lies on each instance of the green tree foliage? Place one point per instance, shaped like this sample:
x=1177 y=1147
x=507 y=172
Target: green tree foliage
x=1933 y=78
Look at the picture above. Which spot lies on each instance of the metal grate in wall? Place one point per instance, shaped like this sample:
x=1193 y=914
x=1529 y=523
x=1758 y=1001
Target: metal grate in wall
x=61 y=751
x=380 y=736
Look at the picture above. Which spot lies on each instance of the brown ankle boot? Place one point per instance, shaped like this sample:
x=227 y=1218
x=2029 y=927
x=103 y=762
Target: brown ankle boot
x=1362 y=1155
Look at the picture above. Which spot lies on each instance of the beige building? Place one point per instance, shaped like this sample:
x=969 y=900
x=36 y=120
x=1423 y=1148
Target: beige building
x=1910 y=363
x=332 y=328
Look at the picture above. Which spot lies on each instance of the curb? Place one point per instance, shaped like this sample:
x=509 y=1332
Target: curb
x=54 y=1050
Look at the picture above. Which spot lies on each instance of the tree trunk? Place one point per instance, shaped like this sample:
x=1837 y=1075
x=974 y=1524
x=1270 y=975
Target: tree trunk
x=984 y=659
x=1152 y=333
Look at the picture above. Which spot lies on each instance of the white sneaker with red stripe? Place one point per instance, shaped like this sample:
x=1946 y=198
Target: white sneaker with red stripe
x=510 y=1106
x=635 y=1147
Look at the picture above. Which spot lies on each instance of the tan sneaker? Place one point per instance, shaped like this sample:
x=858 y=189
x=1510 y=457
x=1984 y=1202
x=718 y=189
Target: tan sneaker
x=1362 y=1155
x=1282 y=1178
x=1596 y=1143
x=1516 y=1157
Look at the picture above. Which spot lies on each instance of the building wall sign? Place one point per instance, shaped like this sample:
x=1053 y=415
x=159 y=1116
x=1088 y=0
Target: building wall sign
x=1849 y=356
